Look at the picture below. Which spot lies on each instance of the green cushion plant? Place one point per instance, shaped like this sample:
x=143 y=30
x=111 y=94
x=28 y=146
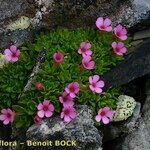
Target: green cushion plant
x=54 y=78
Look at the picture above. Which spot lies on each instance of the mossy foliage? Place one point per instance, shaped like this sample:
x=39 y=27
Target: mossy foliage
x=55 y=78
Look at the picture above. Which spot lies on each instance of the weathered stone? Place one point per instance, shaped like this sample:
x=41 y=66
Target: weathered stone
x=41 y=58
x=72 y=14
x=139 y=139
x=81 y=130
x=114 y=130
x=135 y=65
x=141 y=34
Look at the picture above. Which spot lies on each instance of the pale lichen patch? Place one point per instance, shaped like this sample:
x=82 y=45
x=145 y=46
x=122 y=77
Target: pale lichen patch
x=22 y=23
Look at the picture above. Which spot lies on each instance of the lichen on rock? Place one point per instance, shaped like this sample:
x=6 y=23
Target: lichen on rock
x=125 y=107
x=22 y=23
x=2 y=60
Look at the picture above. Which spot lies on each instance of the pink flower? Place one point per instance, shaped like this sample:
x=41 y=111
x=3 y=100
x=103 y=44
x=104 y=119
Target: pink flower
x=66 y=100
x=104 y=115
x=88 y=63
x=85 y=49
x=120 y=32
x=7 y=116
x=45 y=109
x=104 y=24
x=12 y=54
x=96 y=84
x=72 y=89
x=119 y=48
x=37 y=119
x=68 y=113
x=39 y=86
x=58 y=57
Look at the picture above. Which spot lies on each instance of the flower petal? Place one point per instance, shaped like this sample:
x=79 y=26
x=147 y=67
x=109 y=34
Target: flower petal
x=91 y=88
x=123 y=50
x=110 y=114
x=99 y=22
x=87 y=46
x=114 y=45
x=98 y=90
x=123 y=37
x=13 y=48
x=46 y=102
x=51 y=107
x=108 y=29
x=40 y=113
x=48 y=114
x=105 y=120
x=67 y=119
x=72 y=95
x=3 y=117
x=14 y=59
x=40 y=106
x=95 y=78
x=98 y=118
x=5 y=122
x=4 y=111
x=107 y=22
x=7 y=52
x=90 y=80
x=100 y=84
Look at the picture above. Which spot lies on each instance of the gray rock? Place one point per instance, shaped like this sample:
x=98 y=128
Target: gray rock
x=139 y=139
x=136 y=64
x=114 y=130
x=72 y=14
x=141 y=34
x=131 y=12
x=81 y=130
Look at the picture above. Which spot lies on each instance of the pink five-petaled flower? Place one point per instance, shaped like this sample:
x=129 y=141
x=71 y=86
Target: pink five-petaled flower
x=72 y=89
x=12 y=54
x=104 y=115
x=39 y=86
x=104 y=24
x=96 y=84
x=68 y=113
x=58 y=57
x=88 y=63
x=7 y=116
x=84 y=49
x=119 y=48
x=45 y=109
x=120 y=32
x=37 y=119
x=66 y=99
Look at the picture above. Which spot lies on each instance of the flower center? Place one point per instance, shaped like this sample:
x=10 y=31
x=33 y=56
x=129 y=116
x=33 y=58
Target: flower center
x=118 y=34
x=94 y=84
x=66 y=111
x=13 y=55
x=83 y=50
x=102 y=113
x=86 y=64
x=45 y=108
x=58 y=57
x=103 y=27
x=65 y=99
x=117 y=49
x=8 y=115
x=72 y=89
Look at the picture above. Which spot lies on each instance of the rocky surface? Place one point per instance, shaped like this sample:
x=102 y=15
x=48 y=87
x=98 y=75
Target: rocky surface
x=81 y=130
x=71 y=14
x=114 y=130
x=41 y=58
x=135 y=65
x=140 y=138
